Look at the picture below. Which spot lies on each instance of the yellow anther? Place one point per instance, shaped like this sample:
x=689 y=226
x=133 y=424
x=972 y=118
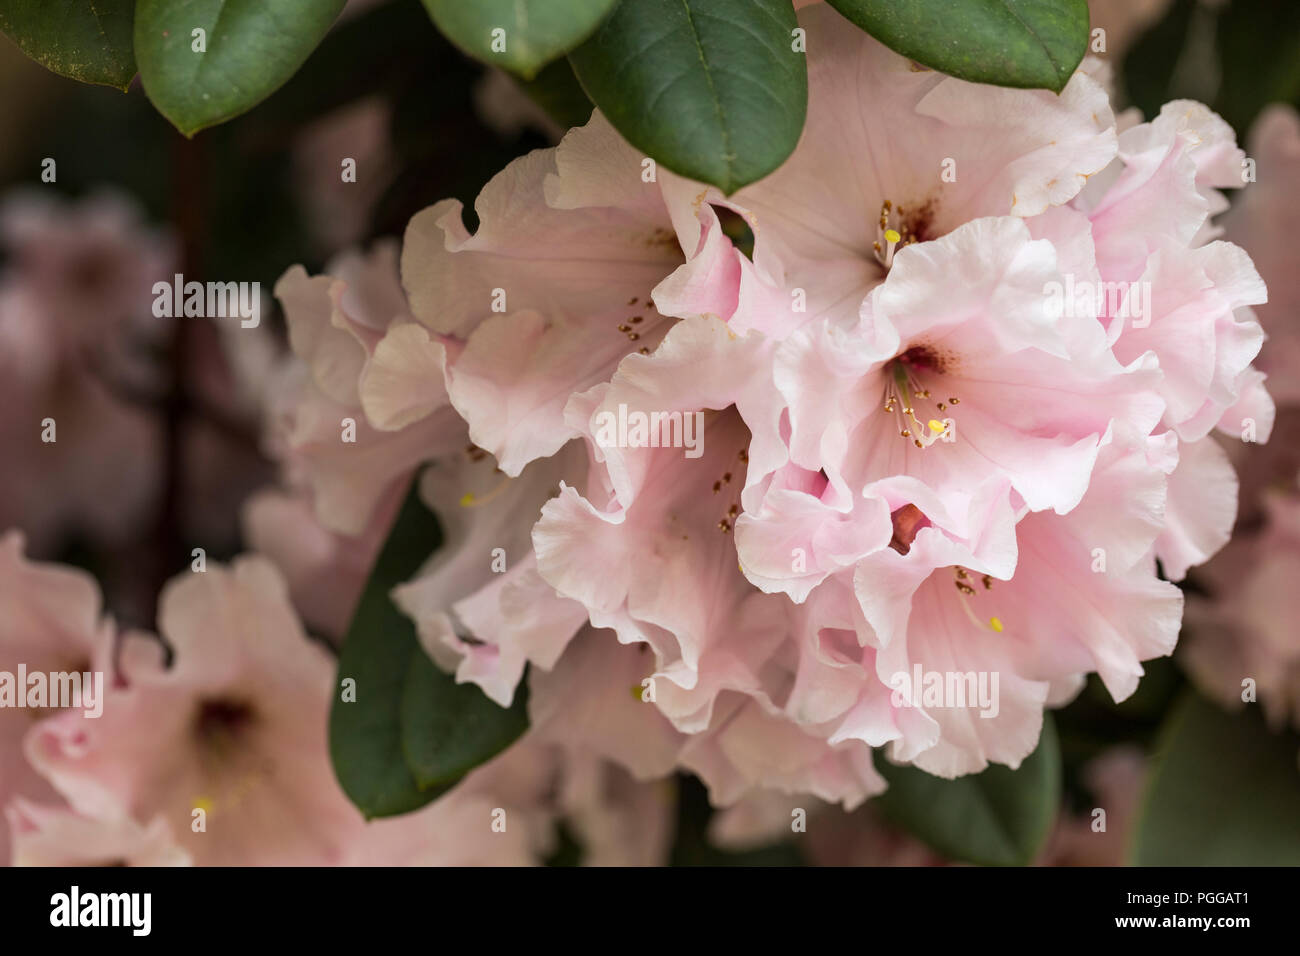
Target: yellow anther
x=936 y=425
x=892 y=235
x=996 y=624
x=467 y=499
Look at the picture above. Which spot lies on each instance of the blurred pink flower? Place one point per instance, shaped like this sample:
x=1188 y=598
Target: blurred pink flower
x=1261 y=222
x=1241 y=641
x=55 y=836
x=345 y=379
x=50 y=621
x=235 y=727
x=1115 y=779
x=75 y=326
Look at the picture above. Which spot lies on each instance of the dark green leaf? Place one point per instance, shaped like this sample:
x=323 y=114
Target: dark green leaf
x=411 y=732
x=251 y=47
x=1224 y=791
x=86 y=40
x=448 y=729
x=557 y=91
x=1259 y=64
x=1150 y=65
x=712 y=89
x=996 y=818
x=534 y=32
x=1026 y=43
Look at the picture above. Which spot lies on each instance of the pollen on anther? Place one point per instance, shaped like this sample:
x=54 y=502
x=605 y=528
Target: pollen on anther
x=996 y=624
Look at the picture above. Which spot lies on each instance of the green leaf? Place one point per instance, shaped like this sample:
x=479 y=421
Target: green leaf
x=1223 y=791
x=1151 y=64
x=1258 y=66
x=1000 y=817
x=250 y=48
x=448 y=729
x=412 y=732
x=535 y=32
x=86 y=40
x=1025 y=43
x=712 y=89
x=557 y=91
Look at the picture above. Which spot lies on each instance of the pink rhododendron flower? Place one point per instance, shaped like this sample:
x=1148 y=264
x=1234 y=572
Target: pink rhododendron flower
x=568 y=272
x=1243 y=631
x=325 y=570
x=326 y=416
x=227 y=744
x=964 y=456
x=223 y=752
x=49 y=622
x=1115 y=779
x=945 y=420
x=75 y=326
x=55 y=836
x=892 y=155
x=1261 y=222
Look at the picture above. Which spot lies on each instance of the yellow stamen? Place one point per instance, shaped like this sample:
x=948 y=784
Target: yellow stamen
x=936 y=425
x=892 y=235
x=996 y=624
x=471 y=500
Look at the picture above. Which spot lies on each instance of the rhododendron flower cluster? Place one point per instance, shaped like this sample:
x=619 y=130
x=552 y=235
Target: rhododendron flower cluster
x=957 y=405
x=836 y=433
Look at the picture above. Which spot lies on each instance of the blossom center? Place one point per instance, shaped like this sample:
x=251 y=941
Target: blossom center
x=904 y=392
x=899 y=227
x=966 y=590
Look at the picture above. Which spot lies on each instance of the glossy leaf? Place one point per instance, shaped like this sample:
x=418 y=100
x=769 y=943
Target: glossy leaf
x=247 y=49
x=1000 y=817
x=518 y=35
x=412 y=732
x=86 y=40
x=1223 y=791
x=713 y=89
x=1025 y=43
